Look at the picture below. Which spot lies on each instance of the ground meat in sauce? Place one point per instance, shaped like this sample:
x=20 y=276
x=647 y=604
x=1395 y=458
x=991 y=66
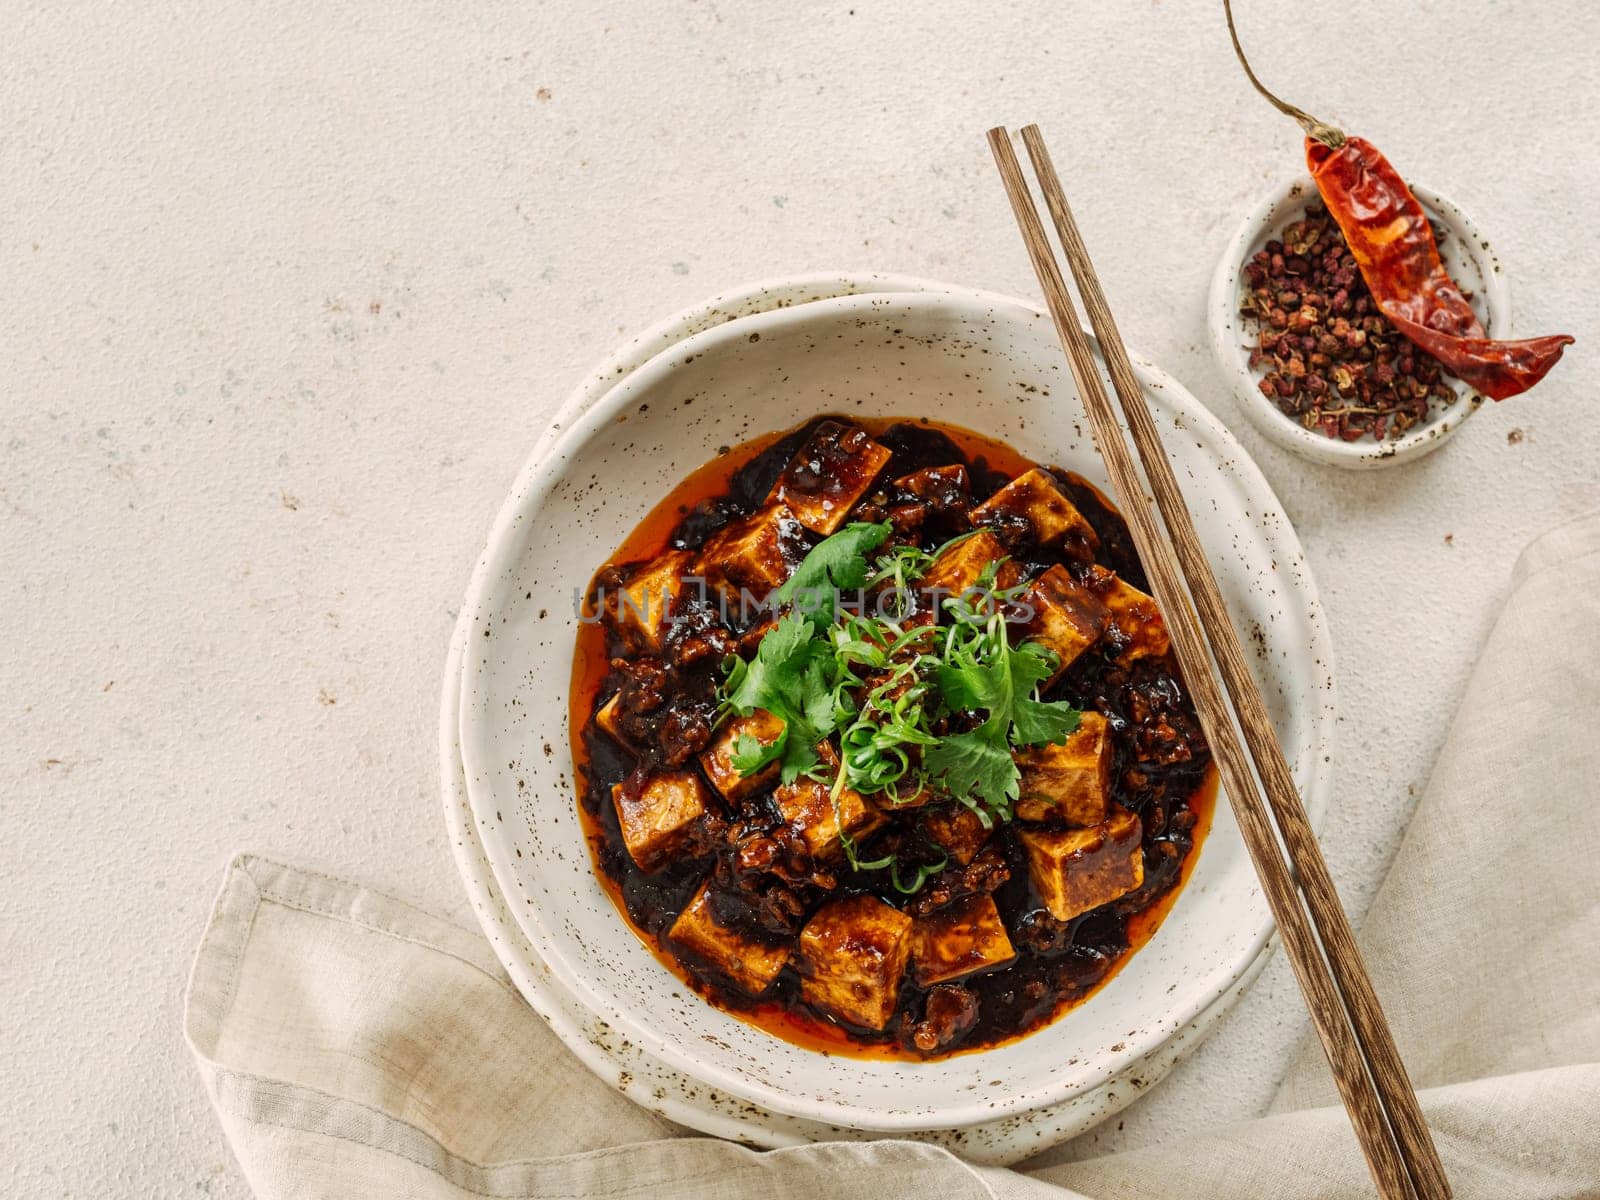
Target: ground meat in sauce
x=949 y=1012
x=761 y=881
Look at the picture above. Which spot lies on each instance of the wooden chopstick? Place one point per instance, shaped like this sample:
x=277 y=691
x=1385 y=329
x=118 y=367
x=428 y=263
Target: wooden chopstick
x=1387 y=1157
x=1388 y=1072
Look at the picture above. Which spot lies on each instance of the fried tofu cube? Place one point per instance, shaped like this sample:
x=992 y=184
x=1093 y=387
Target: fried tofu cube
x=1075 y=870
x=955 y=829
x=747 y=558
x=942 y=489
x=1032 y=508
x=961 y=566
x=1136 y=620
x=853 y=953
x=609 y=717
x=655 y=813
x=717 y=760
x=1071 y=780
x=960 y=939
x=748 y=964
x=642 y=607
x=829 y=475
x=1063 y=615
x=806 y=806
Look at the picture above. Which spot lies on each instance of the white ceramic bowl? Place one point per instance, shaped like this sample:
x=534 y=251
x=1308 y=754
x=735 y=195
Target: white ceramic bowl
x=1468 y=257
x=973 y=359
x=689 y=1102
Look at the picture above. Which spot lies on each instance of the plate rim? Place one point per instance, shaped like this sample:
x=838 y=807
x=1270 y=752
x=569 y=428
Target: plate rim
x=1002 y=1142
x=1232 y=457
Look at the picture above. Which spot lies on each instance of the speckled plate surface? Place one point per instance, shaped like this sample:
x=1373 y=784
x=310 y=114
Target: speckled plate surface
x=1468 y=256
x=984 y=361
x=652 y=1084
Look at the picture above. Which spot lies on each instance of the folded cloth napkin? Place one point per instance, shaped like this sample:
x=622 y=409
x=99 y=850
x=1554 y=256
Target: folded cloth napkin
x=356 y=1047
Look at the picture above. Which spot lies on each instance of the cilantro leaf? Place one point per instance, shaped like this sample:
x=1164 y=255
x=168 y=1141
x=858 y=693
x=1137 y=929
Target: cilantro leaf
x=1030 y=663
x=788 y=678
x=977 y=766
x=782 y=652
x=970 y=684
x=1034 y=722
x=1037 y=723
x=816 y=696
x=983 y=673
x=750 y=753
x=836 y=563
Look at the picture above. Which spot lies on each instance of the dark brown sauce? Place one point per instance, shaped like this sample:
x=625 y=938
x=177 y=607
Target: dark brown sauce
x=1043 y=983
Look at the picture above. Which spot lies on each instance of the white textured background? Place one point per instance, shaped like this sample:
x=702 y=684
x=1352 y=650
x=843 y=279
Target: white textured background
x=285 y=295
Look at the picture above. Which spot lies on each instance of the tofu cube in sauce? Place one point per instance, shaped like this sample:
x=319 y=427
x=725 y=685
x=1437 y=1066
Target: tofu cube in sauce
x=609 y=717
x=1031 y=510
x=655 y=813
x=717 y=760
x=959 y=568
x=853 y=953
x=752 y=555
x=960 y=939
x=1075 y=870
x=641 y=608
x=828 y=475
x=1071 y=780
x=1066 y=616
x=943 y=489
x=1136 y=622
x=807 y=808
x=748 y=964
x=956 y=829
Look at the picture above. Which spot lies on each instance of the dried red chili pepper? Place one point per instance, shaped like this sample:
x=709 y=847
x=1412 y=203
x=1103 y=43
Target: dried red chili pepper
x=1392 y=241
x=1393 y=244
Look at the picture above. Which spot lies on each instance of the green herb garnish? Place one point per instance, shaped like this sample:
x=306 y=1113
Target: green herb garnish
x=798 y=674
x=919 y=875
x=899 y=569
x=889 y=692
x=836 y=564
x=981 y=672
x=791 y=677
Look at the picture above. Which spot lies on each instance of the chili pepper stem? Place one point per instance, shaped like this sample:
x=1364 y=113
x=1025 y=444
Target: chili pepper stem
x=1318 y=130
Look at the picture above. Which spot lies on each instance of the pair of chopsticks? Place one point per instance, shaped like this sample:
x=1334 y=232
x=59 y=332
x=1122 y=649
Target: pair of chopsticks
x=1344 y=1008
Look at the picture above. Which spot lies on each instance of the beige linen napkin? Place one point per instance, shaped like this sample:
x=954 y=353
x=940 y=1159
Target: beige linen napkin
x=356 y=1047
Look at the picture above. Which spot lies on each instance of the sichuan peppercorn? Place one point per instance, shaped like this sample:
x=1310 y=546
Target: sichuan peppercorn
x=1330 y=358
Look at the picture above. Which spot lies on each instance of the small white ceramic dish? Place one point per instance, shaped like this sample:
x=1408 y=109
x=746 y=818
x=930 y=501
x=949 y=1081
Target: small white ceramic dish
x=974 y=359
x=1468 y=257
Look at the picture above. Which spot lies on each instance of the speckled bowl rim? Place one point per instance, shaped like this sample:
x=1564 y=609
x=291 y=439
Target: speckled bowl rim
x=532 y=490
x=645 y=1081
x=1227 y=335
x=1108 y=1066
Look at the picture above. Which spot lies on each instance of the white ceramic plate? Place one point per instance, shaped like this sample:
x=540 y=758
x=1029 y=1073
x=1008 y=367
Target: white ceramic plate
x=654 y=1085
x=959 y=356
x=1468 y=257
x=625 y=1066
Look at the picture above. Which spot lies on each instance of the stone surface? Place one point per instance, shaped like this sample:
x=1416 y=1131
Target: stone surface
x=286 y=295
